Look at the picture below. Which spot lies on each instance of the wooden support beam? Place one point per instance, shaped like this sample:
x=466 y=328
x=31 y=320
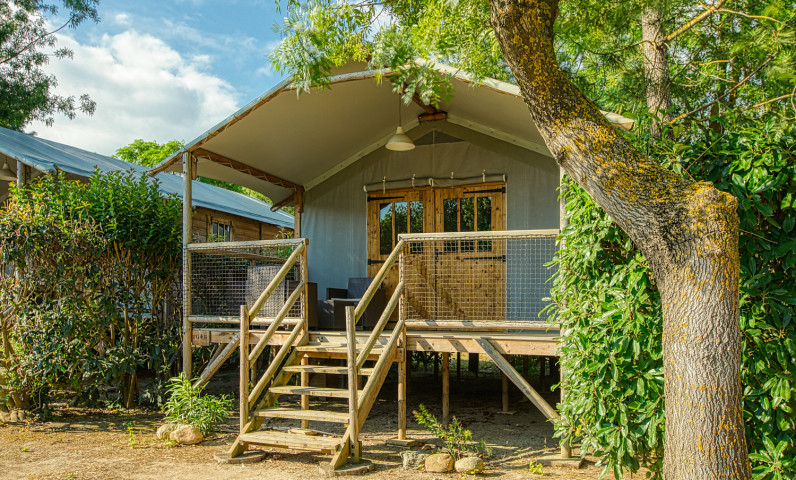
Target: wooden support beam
x=244 y=367
x=515 y=377
x=284 y=202
x=446 y=390
x=187 y=231
x=402 y=388
x=353 y=401
x=228 y=162
x=505 y=393
x=431 y=117
x=305 y=399
x=427 y=108
x=219 y=360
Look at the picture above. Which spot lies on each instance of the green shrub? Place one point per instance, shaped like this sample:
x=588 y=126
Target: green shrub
x=187 y=406
x=95 y=263
x=458 y=440
x=612 y=349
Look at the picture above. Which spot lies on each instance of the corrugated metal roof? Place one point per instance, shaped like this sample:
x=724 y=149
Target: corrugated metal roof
x=48 y=156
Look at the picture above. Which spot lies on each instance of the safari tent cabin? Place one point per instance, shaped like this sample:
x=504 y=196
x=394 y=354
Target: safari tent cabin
x=439 y=248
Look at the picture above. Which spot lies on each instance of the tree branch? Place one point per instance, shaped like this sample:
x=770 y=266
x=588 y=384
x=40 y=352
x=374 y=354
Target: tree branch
x=728 y=92
x=33 y=42
x=695 y=20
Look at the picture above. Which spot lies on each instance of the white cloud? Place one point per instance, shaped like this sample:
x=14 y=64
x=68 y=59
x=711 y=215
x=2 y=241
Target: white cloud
x=143 y=89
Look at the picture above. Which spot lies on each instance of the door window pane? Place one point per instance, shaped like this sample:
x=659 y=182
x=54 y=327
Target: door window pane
x=484 y=214
x=467 y=222
x=401 y=219
x=450 y=210
x=385 y=228
x=416 y=217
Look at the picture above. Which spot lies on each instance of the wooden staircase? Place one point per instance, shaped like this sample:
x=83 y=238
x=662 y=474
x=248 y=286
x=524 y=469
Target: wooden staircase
x=295 y=358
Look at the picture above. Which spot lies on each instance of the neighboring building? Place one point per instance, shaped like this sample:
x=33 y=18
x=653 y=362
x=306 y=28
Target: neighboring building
x=219 y=214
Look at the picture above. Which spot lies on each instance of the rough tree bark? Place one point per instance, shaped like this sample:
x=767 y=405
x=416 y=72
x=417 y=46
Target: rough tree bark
x=655 y=55
x=688 y=232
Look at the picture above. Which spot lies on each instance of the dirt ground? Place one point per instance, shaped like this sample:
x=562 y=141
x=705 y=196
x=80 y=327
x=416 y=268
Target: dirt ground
x=85 y=444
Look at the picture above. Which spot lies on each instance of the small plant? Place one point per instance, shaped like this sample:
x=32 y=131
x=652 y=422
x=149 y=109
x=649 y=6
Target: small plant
x=130 y=427
x=458 y=440
x=187 y=406
x=536 y=468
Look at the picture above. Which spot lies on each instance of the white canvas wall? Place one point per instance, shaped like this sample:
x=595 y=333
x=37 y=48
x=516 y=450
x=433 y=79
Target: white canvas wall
x=334 y=216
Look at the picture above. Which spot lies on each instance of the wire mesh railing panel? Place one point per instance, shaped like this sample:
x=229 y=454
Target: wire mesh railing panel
x=491 y=276
x=225 y=276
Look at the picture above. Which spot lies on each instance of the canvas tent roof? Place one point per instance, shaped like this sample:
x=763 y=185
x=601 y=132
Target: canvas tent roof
x=308 y=138
x=48 y=156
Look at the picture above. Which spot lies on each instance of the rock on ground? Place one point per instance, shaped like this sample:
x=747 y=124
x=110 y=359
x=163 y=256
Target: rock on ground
x=439 y=463
x=165 y=430
x=413 y=460
x=469 y=465
x=186 y=435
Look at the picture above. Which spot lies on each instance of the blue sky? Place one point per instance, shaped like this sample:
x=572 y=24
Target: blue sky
x=163 y=70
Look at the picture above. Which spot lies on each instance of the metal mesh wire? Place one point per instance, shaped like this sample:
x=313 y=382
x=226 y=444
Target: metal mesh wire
x=225 y=276
x=477 y=278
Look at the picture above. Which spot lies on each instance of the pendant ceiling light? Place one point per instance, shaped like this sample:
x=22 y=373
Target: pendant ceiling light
x=400 y=142
x=7 y=174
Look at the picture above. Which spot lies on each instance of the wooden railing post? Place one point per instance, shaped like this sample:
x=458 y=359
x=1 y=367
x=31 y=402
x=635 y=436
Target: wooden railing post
x=402 y=354
x=353 y=403
x=244 y=367
x=305 y=376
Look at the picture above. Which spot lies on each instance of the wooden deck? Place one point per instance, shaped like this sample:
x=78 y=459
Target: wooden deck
x=535 y=342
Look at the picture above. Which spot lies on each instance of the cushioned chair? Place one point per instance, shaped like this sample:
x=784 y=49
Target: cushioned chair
x=331 y=312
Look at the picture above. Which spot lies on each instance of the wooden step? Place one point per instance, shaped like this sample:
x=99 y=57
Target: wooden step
x=298 y=414
x=312 y=391
x=324 y=369
x=333 y=348
x=292 y=441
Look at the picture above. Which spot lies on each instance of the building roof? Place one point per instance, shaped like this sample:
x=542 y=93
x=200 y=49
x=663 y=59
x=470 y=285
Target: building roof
x=306 y=139
x=48 y=157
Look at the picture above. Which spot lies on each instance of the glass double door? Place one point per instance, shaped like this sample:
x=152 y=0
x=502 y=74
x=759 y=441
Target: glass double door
x=468 y=274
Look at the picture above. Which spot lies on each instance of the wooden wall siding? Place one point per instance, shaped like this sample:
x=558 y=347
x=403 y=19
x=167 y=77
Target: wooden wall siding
x=243 y=229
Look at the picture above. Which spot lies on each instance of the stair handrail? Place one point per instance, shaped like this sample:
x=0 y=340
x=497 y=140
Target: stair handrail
x=275 y=364
x=377 y=281
x=280 y=275
x=376 y=333
x=380 y=370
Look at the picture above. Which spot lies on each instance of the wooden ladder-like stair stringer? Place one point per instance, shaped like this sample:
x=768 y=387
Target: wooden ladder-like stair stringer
x=337 y=446
x=259 y=403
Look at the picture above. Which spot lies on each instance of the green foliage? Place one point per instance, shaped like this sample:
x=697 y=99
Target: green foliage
x=458 y=440
x=535 y=468
x=150 y=153
x=95 y=265
x=25 y=89
x=147 y=154
x=187 y=405
x=612 y=316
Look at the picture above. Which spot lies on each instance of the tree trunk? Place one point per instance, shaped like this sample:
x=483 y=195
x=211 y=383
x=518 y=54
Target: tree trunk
x=687 y=231
x=655 y=55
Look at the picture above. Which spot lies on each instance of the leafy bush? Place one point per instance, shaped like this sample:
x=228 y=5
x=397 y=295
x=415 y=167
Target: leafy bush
x=187 y=406
x=94 y=289
x=458 y=440
x=612 y=314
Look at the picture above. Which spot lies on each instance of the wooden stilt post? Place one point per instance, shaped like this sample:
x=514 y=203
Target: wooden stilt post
x=458 y=366
x=353 y=401
x=402 y=378
x=303 y=275
x=505 y=390
x=472 y=363
x=445 y=389
x=187 y=230
x=244 y=367
x=305 y=399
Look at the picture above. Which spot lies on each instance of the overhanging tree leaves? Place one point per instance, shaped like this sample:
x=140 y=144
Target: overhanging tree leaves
x=27 y=42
